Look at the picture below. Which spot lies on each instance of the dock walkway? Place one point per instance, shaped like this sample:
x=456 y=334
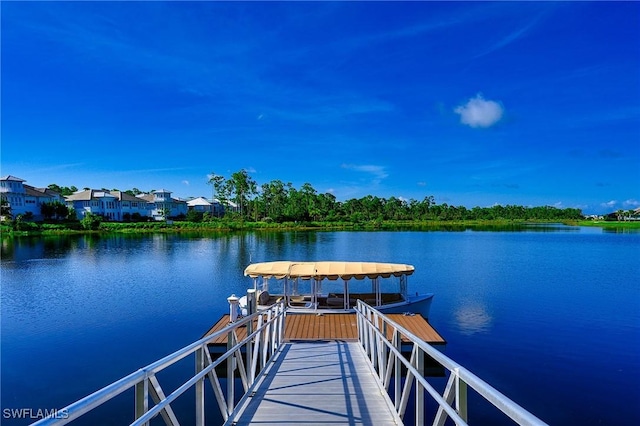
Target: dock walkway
x=322 y=382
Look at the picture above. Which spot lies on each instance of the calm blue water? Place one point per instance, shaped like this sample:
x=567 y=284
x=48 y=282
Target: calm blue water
x=549 y=316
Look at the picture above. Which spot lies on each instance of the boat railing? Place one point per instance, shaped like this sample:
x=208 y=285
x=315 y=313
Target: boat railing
x=264 y=335
x=382 y=341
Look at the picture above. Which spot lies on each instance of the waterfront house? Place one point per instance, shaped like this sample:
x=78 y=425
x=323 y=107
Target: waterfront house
x=203 y=205
x=112 y=205
x=131 y=207
x=25 y=199
x=162 y=206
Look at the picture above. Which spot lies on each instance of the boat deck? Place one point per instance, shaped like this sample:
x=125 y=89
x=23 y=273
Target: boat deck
x=318 y=383
x=335 y=326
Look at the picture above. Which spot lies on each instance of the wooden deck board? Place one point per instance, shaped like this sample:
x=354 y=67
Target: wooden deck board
x=318 y=383
x=335 y=326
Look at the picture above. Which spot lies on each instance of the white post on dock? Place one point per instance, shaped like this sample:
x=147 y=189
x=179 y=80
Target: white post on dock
x=252 y=301
x=233 y=307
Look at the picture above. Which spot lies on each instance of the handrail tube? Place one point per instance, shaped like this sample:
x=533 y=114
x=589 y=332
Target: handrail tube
x=161 y=405
x=499 y=400
x=419 y=377
x=95 y=399
x=176 y=393
x=108 y=392
x=189 y=349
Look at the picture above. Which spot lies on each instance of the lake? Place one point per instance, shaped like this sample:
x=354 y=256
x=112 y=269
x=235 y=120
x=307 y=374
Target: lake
x=549 y=315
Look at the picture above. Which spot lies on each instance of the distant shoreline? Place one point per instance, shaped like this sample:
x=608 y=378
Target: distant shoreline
x=53 y=229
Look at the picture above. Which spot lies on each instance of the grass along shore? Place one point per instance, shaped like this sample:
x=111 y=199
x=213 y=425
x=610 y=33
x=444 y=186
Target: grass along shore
x=35 y=229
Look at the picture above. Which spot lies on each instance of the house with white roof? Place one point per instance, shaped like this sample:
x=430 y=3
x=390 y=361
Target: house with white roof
x=203 y=205
x=24 y=199
x=111 y=205
x=163 y=206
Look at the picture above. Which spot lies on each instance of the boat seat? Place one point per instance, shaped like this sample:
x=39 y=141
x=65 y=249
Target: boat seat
x=263 y=298
x=335 y=301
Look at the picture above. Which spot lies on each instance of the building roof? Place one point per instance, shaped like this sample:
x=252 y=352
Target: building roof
x=85 y=195
x=124 y=196
x=13 y=178
x=49 y=192
x=36 y=192
x=102 y=194
x=200 y=201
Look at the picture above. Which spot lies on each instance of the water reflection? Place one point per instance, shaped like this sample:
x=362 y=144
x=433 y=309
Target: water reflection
x=131 y=299
x=251 y=246
x=473 y=318
x=620 y=230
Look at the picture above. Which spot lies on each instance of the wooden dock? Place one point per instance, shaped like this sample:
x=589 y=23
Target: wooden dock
x=334 y=326
x=321 y=382
x=322 y=375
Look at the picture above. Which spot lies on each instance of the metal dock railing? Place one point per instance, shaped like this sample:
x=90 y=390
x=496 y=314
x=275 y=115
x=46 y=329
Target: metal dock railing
x=333 y=381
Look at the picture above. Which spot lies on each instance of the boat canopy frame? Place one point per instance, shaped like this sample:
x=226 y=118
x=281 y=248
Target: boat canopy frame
x=331 y=270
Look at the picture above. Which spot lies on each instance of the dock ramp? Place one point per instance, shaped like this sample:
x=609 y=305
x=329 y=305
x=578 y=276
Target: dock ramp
x=369 y=379
x=324 y=382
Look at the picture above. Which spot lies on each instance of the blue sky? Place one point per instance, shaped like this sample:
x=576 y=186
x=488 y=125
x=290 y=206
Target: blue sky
x=477 y=104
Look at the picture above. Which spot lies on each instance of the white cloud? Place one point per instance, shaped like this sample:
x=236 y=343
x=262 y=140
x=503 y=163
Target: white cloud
x=631 y=203
x=478 y=112
x=378 y=172
x=610 y=204
x=185 y=182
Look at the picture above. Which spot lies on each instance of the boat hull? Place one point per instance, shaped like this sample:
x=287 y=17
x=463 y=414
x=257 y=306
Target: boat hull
x=418 y=304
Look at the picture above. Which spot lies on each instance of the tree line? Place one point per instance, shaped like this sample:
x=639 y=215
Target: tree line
x=280 y=202
x=276 y=201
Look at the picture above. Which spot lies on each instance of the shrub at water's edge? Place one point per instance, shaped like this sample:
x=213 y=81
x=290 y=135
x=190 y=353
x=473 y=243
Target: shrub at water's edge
x=94 y=224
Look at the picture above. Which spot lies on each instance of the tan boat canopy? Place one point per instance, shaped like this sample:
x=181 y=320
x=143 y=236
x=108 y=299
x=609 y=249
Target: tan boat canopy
x=328 y=270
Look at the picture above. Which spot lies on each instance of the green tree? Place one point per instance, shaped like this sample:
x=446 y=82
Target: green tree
x=241 y=188
x=71 y=214
x=54 y=210
x=61 y=210
x=91 y=221
x=308 y=194
x=62 y=190
x=274 y=199
x=47 y=210
x=220 y=189
x=5 y=208
x=194 y=216
x=165 y=212
x=134 y=192
x=295 y=207
x=327 y=205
